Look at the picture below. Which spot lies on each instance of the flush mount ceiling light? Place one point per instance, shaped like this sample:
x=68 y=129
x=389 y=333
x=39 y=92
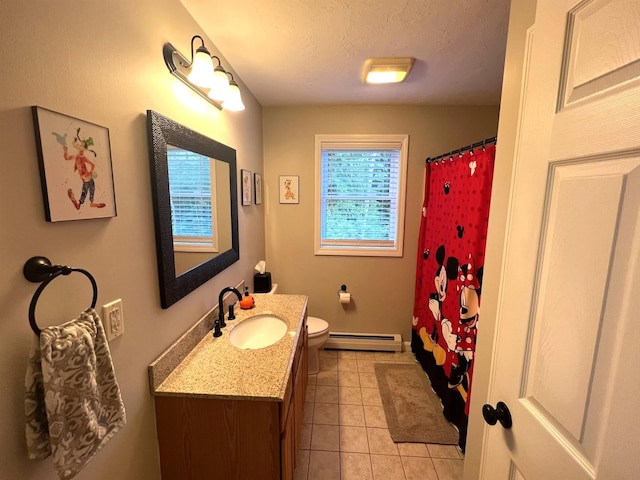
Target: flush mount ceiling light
x=386 y=70
x=211 y=83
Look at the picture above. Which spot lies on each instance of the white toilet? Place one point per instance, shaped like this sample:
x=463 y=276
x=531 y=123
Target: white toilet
x=318 y=335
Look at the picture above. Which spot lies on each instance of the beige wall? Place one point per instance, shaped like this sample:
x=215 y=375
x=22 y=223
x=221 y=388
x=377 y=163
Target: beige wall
x=102 y=62
x=382 y=288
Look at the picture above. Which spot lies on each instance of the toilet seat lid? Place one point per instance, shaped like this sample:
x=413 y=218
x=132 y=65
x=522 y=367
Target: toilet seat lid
x=316 y=325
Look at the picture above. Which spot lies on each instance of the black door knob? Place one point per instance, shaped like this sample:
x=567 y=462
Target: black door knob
x=499 y=414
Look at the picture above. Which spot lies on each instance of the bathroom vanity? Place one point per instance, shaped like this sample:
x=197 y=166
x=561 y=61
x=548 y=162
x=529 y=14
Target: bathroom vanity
x=229 y=413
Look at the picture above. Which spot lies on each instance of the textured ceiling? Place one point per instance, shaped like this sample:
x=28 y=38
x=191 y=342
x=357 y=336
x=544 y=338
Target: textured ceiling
x=309 y=52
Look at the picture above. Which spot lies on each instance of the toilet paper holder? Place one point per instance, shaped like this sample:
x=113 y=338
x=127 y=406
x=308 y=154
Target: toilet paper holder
x=344 y=297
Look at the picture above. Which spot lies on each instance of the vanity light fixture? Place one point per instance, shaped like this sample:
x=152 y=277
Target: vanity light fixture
x=199 y=74
x=386 y=70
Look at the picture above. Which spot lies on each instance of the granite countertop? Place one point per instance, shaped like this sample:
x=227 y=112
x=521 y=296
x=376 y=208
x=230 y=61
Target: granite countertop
x=217 y=369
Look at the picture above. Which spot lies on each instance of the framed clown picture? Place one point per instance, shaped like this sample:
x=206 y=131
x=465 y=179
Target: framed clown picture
x=75 y=167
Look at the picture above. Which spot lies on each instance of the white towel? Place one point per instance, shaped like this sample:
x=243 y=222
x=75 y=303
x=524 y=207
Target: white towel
x=73 y=405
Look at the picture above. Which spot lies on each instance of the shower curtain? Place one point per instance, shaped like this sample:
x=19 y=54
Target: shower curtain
x=450 y=262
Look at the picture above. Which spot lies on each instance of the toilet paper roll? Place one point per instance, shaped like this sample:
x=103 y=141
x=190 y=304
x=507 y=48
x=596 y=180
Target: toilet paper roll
x=345 y=297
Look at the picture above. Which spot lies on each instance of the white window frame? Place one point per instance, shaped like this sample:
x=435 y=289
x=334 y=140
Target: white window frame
x=207 y=244
x=362 y=142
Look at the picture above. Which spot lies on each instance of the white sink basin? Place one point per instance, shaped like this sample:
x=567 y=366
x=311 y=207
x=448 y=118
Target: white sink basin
x=258 y=332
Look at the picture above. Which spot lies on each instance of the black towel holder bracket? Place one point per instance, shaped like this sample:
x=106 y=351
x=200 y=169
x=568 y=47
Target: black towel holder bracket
x=40 y=269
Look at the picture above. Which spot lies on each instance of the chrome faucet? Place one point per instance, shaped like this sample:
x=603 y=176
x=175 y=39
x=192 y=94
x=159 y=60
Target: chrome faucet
x=219 y=323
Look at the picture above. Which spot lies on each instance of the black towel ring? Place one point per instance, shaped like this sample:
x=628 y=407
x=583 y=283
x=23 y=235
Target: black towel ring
x=39 y=269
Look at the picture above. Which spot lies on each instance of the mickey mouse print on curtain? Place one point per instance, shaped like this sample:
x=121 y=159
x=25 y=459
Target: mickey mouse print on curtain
x=450 y=263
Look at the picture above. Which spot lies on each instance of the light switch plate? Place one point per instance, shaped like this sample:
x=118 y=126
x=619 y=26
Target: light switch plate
x=113 y=319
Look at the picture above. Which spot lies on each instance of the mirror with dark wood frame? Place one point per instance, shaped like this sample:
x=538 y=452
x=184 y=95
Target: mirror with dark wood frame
x=181 y=269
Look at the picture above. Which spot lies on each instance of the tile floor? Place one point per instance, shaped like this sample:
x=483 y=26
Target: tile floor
x=345 y=435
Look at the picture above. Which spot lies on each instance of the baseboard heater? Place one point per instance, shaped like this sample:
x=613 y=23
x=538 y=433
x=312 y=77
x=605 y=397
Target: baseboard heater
x=364 y=341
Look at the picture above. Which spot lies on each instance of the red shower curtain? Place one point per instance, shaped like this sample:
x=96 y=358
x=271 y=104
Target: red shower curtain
x=451 y=249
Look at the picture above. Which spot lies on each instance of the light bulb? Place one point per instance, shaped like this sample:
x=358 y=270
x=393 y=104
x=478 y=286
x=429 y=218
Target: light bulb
x=386 y=76
x=201 y=69
x=233 y=102
x=220 y=87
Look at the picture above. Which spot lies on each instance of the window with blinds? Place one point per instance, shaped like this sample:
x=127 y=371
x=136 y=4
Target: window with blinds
x=192 y=204
x=360 y=194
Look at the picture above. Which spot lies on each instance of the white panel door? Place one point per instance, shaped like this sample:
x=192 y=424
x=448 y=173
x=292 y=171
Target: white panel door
x=566 y=360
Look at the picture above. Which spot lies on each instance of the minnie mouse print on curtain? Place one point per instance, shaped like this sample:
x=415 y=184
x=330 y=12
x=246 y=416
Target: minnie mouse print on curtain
x=450 y=263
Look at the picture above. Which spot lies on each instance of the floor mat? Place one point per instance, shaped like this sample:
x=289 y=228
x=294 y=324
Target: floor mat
x=413 y=410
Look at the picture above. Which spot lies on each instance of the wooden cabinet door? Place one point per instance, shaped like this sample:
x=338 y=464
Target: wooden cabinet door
x=300 y=388
x=218 y=439
x=287 y=446
x=298 y=406
x=305 y=362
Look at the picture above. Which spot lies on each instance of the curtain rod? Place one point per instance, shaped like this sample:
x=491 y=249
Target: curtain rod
x=486 y=141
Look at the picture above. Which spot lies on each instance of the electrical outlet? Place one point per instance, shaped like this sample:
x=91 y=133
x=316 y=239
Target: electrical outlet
x=113 y=318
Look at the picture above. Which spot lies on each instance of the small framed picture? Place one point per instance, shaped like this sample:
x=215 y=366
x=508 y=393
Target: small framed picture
x=246 y=187
x=75 y=167
x=257 y=188
x=289 y=189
